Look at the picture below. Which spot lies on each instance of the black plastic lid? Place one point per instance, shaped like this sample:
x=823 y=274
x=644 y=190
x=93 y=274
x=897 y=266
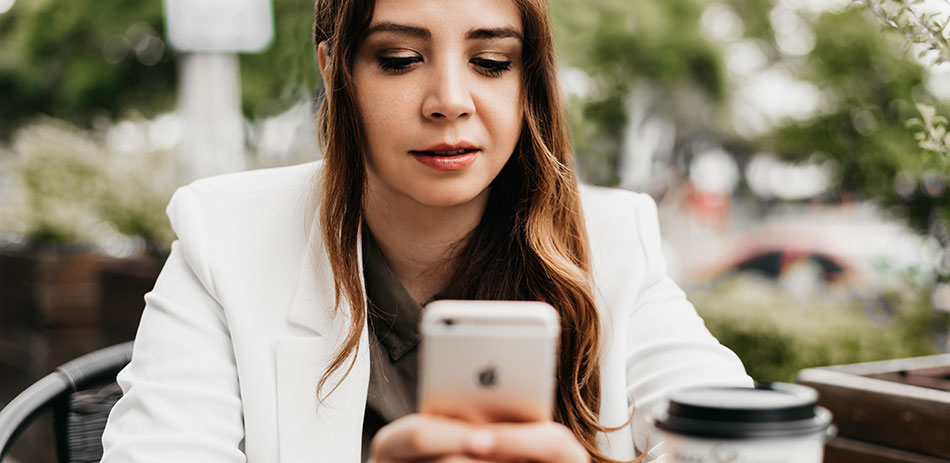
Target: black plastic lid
x=768 y=410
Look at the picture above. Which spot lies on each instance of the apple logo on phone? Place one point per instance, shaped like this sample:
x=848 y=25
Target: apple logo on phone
x=486 y=377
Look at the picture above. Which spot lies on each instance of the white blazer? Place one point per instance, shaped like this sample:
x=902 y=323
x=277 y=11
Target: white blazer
x=240 y=326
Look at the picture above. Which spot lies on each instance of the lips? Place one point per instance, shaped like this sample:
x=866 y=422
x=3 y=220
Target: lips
x=447 y=157
x=444 y=153
x=446 y=149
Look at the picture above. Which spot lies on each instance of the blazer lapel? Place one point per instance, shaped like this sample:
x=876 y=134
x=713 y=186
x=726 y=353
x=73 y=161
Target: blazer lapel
x=329 y=431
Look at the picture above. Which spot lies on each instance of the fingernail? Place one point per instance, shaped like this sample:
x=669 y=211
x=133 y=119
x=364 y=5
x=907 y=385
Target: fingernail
x=482 y=442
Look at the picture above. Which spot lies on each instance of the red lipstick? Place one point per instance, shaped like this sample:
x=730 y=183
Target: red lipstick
x=447 y=156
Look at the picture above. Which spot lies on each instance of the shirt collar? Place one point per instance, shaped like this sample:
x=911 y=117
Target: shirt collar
x=393 y=314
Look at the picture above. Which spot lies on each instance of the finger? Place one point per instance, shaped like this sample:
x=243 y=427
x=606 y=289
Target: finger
x=420 y=437
x=540 y=442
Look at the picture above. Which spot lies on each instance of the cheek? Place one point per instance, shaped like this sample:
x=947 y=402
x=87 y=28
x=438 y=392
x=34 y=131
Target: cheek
x=514 y=112
x=507 y=115
x=373 y=93
x=499 y=104
x=382 y=113
x=374 y=108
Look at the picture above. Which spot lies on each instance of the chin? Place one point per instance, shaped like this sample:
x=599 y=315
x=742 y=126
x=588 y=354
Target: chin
x=449 y=197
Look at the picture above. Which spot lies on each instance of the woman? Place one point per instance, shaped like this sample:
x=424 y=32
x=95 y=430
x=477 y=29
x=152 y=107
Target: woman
x=447 y=173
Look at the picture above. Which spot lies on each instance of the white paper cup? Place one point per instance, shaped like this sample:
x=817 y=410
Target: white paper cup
x=771 y=423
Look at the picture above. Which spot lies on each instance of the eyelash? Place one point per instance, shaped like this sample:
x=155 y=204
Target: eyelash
x=492 y=68
x=399 y=64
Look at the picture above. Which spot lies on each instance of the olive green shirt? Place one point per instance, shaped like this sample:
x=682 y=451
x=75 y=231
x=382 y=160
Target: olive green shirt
x=393 y=336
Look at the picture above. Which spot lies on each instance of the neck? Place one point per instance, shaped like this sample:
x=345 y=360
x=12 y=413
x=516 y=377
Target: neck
x=420 y=242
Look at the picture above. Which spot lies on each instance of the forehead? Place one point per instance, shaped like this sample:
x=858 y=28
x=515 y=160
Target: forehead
x=449 y=16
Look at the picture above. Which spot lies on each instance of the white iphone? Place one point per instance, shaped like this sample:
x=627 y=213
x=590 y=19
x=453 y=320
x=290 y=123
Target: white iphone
x=489 y=361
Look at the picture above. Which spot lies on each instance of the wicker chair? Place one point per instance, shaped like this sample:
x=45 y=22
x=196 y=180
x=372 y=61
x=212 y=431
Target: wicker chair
x=81 y=393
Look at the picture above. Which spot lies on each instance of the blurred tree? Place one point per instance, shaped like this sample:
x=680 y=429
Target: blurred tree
x=78 y=59
x=868 y=83
x=621 y=45
x=82 y=59
x=931 y=33
x=74 y=61
x=285 y=73
x=72 y=189
x=918 y=26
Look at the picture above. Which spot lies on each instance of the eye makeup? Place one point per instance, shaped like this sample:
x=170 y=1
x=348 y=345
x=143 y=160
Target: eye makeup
x=490 y=67
x=397 y=63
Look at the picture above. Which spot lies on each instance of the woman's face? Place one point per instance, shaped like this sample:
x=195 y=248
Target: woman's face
x=438 y=85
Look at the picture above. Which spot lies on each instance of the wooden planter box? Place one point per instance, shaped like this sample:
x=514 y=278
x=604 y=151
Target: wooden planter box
x=123 y=285
x=896 y=411
x=49 y=314
x=50 y=308
x=56 y=306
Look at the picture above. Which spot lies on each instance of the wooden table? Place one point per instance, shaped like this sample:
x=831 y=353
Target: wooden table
x=896 y=411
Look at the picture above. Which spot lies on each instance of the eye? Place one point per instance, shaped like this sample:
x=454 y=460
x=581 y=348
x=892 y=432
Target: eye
x=397 y=63
x=490 y=67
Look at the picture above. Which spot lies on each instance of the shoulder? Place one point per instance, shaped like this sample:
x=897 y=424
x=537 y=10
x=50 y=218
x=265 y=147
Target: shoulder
x=258 y=216
x=620 y=212
x=238 y=191
x=244 y=196
x=251 y=181
x=624 y=235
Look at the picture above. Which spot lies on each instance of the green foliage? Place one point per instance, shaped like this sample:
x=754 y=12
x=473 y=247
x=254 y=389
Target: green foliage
x=285 y=73
x=76 y=60
x=81 y=59
x=868 y=83
x=56 y=170
x=907 y=17
x=927 y=31
x=138 y=188
x=72 y=189
x=621 y=44
x=755 y=19
x=933 y=135
x=776 y=334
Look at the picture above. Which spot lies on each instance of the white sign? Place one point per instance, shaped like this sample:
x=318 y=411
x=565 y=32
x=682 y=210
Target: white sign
x=219 y=25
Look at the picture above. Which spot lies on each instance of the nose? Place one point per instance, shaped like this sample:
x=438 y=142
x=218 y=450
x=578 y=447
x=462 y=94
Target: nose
x=447 y=96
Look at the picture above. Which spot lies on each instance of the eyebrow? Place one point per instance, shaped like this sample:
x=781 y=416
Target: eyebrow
x=423 y=33
x=402 y=29
x=492 y=33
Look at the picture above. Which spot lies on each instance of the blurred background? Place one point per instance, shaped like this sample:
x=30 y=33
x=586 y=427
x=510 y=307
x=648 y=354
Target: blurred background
x=797 y=149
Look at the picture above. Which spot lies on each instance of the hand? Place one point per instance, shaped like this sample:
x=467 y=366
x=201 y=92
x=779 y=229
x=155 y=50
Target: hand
x=529 y=442
x=421 y=438
x=432 y=439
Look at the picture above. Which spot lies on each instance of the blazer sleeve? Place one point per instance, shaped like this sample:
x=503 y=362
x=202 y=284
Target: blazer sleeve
x=668 y=345
x=181 y=397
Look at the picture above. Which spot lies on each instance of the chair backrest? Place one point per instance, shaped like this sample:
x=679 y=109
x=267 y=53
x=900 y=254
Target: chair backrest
x=81 y=393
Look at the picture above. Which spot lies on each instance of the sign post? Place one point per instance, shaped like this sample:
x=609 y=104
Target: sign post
x=210 y=33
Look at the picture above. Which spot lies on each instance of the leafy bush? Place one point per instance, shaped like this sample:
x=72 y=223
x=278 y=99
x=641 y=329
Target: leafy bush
x=776 y=334
x=55 y=170
x=139 y=188
x=69 y=188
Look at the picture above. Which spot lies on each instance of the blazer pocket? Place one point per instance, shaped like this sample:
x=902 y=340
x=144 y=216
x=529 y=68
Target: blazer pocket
x=310 y=430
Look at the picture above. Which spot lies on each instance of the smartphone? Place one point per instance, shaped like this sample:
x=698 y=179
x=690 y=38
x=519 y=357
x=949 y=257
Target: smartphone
x=489 y=361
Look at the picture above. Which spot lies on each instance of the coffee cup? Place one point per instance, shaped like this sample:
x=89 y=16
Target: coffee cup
x=771 y=423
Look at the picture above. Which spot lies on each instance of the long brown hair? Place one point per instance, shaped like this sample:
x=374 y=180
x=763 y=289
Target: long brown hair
x=531 y=243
